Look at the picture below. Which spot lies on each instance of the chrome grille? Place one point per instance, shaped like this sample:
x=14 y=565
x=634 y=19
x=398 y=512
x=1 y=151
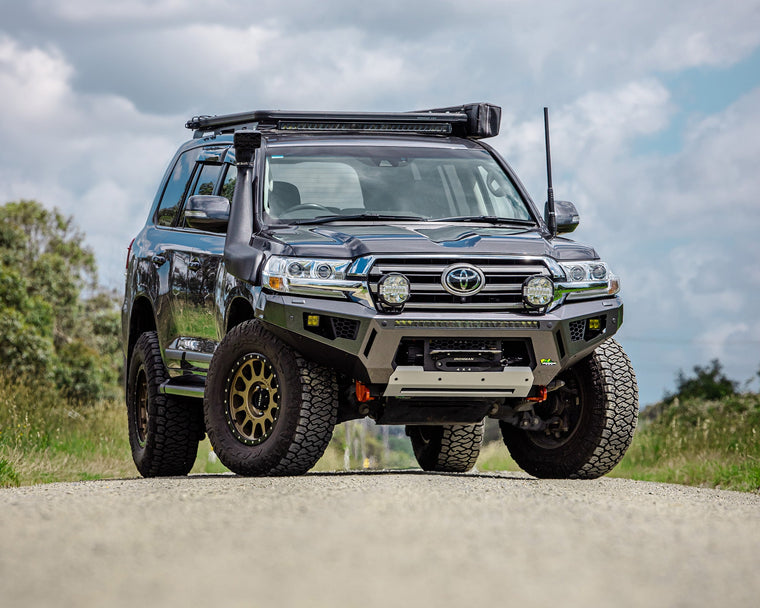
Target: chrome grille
x=503 y=282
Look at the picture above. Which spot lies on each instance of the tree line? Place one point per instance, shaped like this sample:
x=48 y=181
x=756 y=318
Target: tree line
x=58 y=328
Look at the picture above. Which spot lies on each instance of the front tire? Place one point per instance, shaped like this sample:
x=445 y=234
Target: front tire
x=163 y=431
x=452 y=448
x=595 y=414
x=268 y=411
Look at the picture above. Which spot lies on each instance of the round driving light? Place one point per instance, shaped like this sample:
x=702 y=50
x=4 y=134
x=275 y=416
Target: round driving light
x=393 y=289
x=577 y=273
x=323 y=271
x=538 y=291
x=598 y=272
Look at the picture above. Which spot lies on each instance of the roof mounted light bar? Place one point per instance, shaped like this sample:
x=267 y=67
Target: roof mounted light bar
x=443 y=128
x=473 y=120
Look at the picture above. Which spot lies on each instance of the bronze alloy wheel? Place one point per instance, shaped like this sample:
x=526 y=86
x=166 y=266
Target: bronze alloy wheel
x=141 y=405
x=252 y=398
x=268 y=411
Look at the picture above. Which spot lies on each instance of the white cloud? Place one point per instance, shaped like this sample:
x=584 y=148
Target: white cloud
x=93 y=156
x=717 y=340
x=183 y=55
x=705 y=34
x=591 y=140
x=33 y=81
x=147 y=11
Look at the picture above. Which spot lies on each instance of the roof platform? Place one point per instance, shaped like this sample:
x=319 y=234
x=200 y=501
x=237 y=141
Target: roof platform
x=474 y=121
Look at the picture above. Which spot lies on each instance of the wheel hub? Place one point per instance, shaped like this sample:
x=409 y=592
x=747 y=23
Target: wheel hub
x=258 y=400
x=253 y=398
x=560 y=415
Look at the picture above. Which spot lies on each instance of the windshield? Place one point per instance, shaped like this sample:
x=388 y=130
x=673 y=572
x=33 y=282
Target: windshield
x=304 y=183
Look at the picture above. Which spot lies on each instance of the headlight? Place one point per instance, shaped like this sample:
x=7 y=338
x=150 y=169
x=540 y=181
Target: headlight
x=538 y=291
x=580 y=272
x=588 y=279
x=311 y=277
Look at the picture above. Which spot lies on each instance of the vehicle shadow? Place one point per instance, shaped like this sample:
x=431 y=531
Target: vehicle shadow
x=503 y=475
x=418 y=472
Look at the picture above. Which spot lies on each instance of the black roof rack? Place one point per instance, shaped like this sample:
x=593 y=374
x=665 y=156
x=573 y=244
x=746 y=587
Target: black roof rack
x=475 y=121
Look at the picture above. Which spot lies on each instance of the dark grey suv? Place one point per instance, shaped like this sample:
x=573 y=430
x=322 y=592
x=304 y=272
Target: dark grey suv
x=301 y=269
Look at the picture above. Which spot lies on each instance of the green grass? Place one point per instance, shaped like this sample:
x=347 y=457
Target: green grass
x=45 y=438
x=704 y=443
x=713 y=444
x=495 y=457
x=8 y=475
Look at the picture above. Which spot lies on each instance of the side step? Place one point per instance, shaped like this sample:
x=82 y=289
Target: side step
x=184 y=387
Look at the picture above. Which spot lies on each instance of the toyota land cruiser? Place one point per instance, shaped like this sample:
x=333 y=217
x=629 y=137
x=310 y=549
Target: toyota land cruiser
x=301 y=269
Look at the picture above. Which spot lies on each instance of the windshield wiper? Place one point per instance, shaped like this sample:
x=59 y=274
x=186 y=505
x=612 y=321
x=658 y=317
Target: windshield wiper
x=324 y=219
x=488 y=219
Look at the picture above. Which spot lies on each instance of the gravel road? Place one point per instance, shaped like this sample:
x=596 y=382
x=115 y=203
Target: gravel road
x=377 y=539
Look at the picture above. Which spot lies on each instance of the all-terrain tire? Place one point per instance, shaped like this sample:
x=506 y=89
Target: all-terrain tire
x=268 y=411
x=163 y=430
x=451 y=447
x=603 y=405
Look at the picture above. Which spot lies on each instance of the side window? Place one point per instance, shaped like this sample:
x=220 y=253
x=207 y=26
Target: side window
x=206 y=179
x=174 y=192
x=228 y=187
x=204 y=182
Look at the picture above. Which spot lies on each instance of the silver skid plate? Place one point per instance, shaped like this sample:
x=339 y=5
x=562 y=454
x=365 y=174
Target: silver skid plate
x=414 y=381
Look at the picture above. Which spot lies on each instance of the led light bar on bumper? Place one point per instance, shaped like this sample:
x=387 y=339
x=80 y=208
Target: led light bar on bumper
x=587 y=279
x=315 y=277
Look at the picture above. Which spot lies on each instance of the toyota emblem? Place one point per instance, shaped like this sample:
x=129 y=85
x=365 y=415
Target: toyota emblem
x=463 y=280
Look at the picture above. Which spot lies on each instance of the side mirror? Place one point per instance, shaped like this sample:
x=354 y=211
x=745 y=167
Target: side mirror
x=567 y=216
x=206 y=212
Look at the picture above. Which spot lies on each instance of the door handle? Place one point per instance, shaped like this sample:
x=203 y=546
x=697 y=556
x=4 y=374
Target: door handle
x=158 y=260
x=194 y=265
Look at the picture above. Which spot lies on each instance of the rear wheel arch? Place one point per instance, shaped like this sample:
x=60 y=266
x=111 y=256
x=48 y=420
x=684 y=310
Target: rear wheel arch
x=142 y=319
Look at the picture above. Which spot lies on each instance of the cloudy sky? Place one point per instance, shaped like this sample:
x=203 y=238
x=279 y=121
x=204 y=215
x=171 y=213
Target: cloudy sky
x=655 y=111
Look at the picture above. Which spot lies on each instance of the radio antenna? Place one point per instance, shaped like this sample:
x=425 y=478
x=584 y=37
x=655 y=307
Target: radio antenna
x=551 y=216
